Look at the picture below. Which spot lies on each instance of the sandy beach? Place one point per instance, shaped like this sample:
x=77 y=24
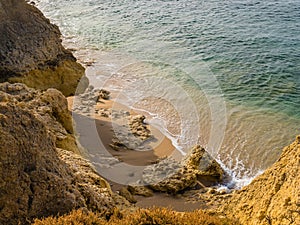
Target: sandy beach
x=199 y=100
x=158 y=146
x=162 y=145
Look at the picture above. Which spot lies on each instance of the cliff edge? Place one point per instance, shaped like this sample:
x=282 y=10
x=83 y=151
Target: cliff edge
x=272 y=198
x=31 y=51
x=40 y=175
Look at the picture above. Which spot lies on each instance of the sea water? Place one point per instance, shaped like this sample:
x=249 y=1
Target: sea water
x=224 y=74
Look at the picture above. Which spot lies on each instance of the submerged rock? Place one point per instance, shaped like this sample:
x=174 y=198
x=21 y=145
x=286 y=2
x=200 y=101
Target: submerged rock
x=172 y=176
x=32 y=53
x=273 y=197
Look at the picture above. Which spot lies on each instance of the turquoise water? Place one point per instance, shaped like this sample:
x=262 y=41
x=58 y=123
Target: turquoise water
x=246 y=52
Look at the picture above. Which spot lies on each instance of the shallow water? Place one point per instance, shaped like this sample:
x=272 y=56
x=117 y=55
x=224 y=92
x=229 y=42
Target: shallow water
x=225 y=74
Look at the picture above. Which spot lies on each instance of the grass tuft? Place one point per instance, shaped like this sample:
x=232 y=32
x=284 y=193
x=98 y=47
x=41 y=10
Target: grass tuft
x=152 y=216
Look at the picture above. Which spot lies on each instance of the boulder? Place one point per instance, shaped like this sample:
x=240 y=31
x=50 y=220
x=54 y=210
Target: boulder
x=31 y=51
x=103 y=94
x=140 y=190
x=169 y=175
x=209 y=170
x=138 y=127
x=130 y=132
x=124 y=192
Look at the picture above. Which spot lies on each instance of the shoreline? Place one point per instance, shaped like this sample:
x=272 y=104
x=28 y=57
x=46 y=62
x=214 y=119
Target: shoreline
x=245 y=167
x=45 y=173
x=189 y=201
x=161 y=145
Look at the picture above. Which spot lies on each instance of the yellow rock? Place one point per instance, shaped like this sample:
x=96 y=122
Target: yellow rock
x=273 y=197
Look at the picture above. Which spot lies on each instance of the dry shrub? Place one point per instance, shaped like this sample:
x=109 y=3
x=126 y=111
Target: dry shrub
x=159 y=216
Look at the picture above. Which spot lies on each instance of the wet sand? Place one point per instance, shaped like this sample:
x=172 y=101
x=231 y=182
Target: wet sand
x=161 y=146
x=98 y=144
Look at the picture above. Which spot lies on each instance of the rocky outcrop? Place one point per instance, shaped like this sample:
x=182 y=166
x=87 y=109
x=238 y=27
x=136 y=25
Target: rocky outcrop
x=38 y=178
x=31 y=51
x=171 y=176
x=131 y=132
x=50 y=107
x=208 y=169
x=103 y=94
x=138 y=127
x=273 y=198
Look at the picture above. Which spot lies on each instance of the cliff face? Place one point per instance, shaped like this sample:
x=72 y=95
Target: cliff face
x=50 y=107
x=40 y=172
x=273 y=198
x=31 y=50
x=37 y=177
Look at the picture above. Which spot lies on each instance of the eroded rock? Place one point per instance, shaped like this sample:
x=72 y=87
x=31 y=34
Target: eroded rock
x=127 y=195
x=130 y=132
x=37 y=177
x=273 y=197
x=32 y=53
x=138 y=127
x=209 y=169
x=140 y=190
x=103 y=94
x=172 y=176
x=85 y=103
x=50 y=107
x=38 y=180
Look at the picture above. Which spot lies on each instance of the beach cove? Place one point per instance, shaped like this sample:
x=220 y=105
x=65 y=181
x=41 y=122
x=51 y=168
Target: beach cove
x=245 y=111
x=144 y=125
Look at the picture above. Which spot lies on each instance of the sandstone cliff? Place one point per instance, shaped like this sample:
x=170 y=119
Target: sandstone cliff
x=50 y=107
x=37 y=177
x=273 y=198
x=31 y=50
